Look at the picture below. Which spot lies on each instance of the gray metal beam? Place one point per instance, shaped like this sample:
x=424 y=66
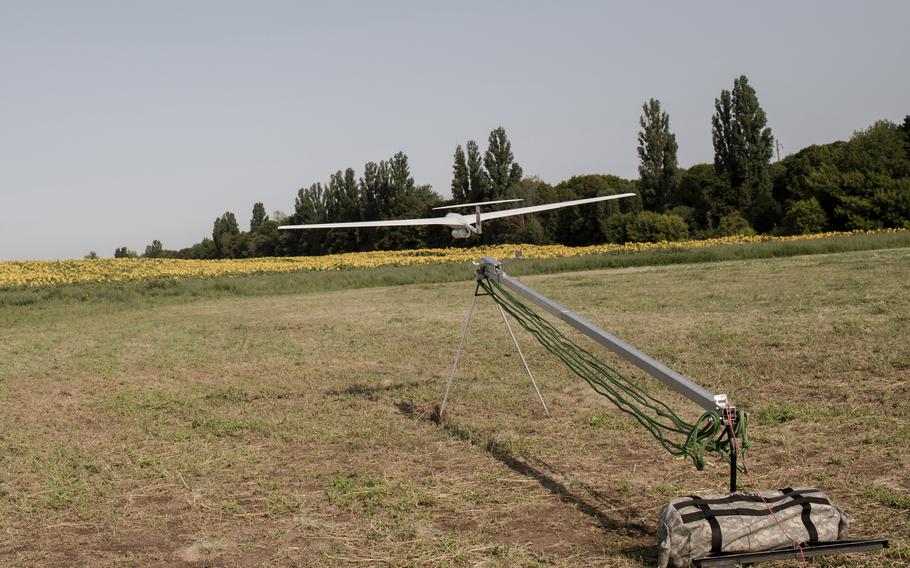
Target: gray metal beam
x=492 y=269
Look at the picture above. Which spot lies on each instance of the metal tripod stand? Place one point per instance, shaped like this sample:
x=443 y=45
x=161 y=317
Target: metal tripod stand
x=464 y=333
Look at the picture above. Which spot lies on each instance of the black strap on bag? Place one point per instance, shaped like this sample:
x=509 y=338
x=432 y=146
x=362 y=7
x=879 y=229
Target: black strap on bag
x=708 y=513
x=743 y=498
x=806 y=515
x=717 y=538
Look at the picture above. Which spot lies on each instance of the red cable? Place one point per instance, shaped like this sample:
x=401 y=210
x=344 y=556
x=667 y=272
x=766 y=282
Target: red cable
x=797 y=545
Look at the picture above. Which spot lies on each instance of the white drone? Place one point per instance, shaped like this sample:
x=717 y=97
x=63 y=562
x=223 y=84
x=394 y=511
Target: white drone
x=463 y=226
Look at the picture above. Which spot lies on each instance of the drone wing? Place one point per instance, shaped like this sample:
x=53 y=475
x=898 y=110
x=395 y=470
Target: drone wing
x=548 y=206
x=460 y=205
x=456 y=219
x=449 y=220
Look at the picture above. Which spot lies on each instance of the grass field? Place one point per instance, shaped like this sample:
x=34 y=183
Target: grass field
x=252 y=424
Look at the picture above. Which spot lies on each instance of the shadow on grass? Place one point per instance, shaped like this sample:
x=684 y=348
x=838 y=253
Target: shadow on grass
x=546 y=476
x=372 y=393
x=590 y=501
x=646 y=555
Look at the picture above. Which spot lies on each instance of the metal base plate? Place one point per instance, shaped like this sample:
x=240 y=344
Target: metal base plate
x=810 y=551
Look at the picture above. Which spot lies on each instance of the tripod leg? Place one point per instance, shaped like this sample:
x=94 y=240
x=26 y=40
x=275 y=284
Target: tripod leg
x=464 y=333
x=525 y=363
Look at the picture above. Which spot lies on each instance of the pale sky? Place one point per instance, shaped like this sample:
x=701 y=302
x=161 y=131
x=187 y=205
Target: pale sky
x=124 y=122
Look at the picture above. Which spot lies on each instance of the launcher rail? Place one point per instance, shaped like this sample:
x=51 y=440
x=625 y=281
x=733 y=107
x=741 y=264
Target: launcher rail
x=492 y=269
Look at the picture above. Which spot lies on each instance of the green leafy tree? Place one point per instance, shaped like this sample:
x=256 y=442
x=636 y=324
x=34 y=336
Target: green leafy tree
x=539 y=228
x=226 y=235
x=461 y=182
x=877 y=150
x=342 y=204
x=264 y=237
x=334 y=198
x=375 y=201
x=478 y=179
x=92 y=255
x=265 y=241
x=804 y=216
x=124 y=252
x=401 y=182
x=585 y=225
x=374 y=190
x=696 y=186
x=353 y=206
x=502 y=169
x=906 y=130
x=734 y=224
x=310 y=204
x=810 y=173
x=722 y=134
x=408 y=200
x=743 y=147
x=258 y=218
x=352 y=198
x=309 y=207
x=154 y=250
x=423 y=201
x=859 y=184
x=645 y=227
x=200 y=250
x=766 y=211
x=657 y=157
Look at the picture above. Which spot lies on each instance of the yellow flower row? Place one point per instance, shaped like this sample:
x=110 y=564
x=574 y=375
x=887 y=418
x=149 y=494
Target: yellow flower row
x=16 y=274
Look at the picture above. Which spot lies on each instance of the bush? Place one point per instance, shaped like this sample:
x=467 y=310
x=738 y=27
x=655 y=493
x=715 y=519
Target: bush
x=734 y=224
x=645 y=227
x=616 y=227
x=805 y=216
x=766 y=212
x=687 y=213
x=530 y=232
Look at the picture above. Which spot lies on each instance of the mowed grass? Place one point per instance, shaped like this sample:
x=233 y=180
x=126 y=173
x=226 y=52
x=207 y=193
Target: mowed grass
x=294 y=429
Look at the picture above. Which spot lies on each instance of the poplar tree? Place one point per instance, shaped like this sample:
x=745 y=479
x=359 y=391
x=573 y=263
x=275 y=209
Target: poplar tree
x=263 y=238
x=309 y=207
x=743 y=147
x=502 y=169
x=402 y=184
x=657 y=167
x=342 y=198
x=352 y=198
x=405 y=201
x=477 y=177
x=258 y=218
x=369 y=190
x=335 y=211
x=905 y=128
x=461 y=183
x=225 y=234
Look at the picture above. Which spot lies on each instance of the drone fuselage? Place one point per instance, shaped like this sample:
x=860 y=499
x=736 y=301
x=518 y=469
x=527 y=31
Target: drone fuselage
x=461 y=225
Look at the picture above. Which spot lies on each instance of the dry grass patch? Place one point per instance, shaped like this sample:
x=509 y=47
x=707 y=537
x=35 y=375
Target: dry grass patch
x=299 y=429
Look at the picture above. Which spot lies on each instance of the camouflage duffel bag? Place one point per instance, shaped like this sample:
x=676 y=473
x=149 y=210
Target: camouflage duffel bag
x=698 y=526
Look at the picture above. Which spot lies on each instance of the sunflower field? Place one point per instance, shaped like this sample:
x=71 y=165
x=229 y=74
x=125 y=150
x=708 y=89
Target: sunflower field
x=27 y=274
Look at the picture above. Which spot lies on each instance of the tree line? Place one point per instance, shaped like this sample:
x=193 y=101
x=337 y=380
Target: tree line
x=861 y=183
